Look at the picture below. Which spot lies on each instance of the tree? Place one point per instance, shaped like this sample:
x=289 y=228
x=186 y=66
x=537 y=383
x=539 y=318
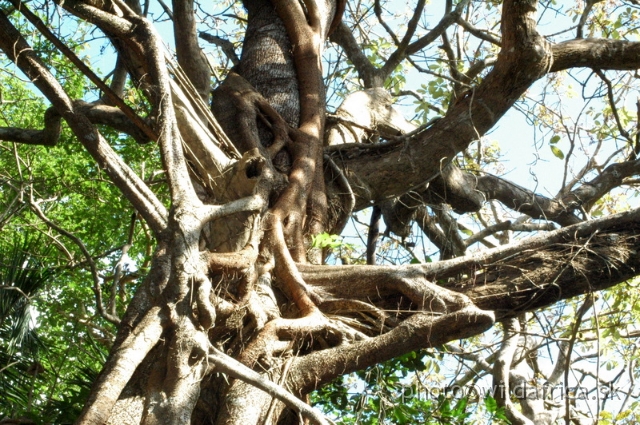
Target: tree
x=235 y=308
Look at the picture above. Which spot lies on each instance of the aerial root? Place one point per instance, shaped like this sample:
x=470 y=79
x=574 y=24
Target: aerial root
x=206 y=310
x=284 y=335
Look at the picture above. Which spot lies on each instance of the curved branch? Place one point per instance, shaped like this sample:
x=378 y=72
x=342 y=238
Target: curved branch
x=505 y=226
x=344 y=37
x=97 y=114
x=583 y=18
x=48 y=136
x=524 y=58
x=113 y=97
x=420 y=330
x=110 y=317
x=481 y=34
x=527 y=202
x=114 y=118
x=108 y=22
x=227 y=47
x=213 y=212
x=502 y=371
x=378 y=11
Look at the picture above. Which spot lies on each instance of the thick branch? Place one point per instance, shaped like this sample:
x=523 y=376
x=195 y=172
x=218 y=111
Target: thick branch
x=508 y=280
x=344 y=37
x=169 y=138
x=120 y=367
x=421 y=330
x=596 y=53
x=48 y=136
x=226 y=46
x=613 y=256
x=525 y=57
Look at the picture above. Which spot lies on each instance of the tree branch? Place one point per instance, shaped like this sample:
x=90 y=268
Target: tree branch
x=524 y=58
x=190 y=56
x=145 y=201
x=113 y=97
x=227 y=47
x=596 y=53
x=344 y=37
x=97 y=290
x=502 y=371
x=481 y=34
x=420 y=330
x=120 y=367
x=48 y=136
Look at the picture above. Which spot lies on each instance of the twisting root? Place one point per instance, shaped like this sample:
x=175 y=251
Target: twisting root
x=287 y=272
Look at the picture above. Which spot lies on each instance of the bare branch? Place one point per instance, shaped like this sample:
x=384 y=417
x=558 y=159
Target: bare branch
x=366 y=70
x=447 y=20
x=508 y=225
x=250 y=203
x=227 y=47
x=586 y=305
x=583 y=19
x=97 y=290
x=614 y=109
x=372 y=234
x=481 y=34
x=502 y=371
x=596 y=53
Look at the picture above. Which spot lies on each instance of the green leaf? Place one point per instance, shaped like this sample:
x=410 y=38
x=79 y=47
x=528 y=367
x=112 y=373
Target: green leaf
x=557 y=152
x=555 y=139
x=490 y=404
x=461 y=407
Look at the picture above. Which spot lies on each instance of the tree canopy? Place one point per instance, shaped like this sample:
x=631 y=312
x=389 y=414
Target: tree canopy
x=229 y=212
